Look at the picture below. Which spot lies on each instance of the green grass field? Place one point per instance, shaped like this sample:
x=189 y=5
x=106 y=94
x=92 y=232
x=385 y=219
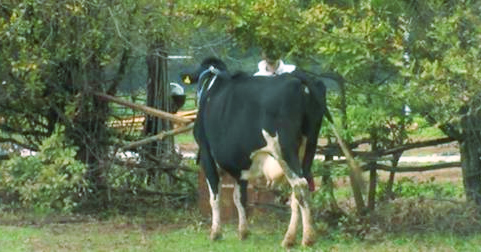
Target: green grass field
x=406 y=225
x=121 y=236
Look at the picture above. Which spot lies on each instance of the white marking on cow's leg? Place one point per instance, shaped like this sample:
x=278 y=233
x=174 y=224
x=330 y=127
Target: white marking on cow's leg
x=308 y=233
x=290 y=236
x=241 y=211
x=215 y=232
x=300 y=195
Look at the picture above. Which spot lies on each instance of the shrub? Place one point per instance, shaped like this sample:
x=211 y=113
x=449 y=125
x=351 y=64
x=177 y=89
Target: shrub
x=409 y=187
x=52 y=179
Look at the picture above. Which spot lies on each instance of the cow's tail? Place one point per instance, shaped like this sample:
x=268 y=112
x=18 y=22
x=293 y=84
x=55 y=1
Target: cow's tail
x=328 y=115
x=317 y=89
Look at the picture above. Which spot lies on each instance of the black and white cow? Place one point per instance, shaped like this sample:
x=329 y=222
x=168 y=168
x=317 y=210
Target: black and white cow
x=249 y=125
x=177 y=97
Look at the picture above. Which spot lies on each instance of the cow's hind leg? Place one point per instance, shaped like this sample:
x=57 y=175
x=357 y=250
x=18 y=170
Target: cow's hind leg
x=240 y=201
x=300 y=192
x=290 y=237
x=308 y=234
x=213 y=181
x=214 y=192
x=299 y=199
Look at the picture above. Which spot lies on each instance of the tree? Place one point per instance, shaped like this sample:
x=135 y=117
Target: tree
x=445 y=73
x=56 y=55
x=423 y=54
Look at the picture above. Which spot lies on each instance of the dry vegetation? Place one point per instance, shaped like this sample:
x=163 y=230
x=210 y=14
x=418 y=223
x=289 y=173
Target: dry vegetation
x=427 y=216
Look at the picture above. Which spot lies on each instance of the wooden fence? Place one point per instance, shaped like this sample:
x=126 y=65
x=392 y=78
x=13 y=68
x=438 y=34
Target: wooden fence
x=370 y=160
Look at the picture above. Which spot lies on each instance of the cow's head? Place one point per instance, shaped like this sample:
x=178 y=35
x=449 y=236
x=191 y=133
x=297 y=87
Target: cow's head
x=205 y=75
x=208 y=63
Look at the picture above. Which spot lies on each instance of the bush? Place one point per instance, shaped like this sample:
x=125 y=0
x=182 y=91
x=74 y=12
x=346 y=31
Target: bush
x=409 y=187
x=52 y=179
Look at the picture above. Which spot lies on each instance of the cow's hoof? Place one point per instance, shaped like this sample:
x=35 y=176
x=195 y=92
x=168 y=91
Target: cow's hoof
x=308 y=238
x=243 y=234
x=288 y=241
x=215 y=235
x=307 y=242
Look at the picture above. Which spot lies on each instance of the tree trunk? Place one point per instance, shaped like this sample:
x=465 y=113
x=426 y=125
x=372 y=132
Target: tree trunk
x=371 y=199
x=158 y=94
x=88 y=127
x=471 y=154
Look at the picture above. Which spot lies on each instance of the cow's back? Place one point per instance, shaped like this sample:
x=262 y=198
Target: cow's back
x=237 y=110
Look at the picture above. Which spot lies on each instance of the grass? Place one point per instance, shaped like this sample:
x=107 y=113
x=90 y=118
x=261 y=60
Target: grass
x=184 y=138
x=402 y=225
x=424 y=130
x=119 y=236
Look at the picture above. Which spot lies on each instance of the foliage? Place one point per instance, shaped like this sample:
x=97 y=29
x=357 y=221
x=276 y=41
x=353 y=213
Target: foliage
x=52 y=53
x=51 y=179
x=422 y=55
x=55 y=54
x=410 y=188
x=403 y=50
x=137 y=180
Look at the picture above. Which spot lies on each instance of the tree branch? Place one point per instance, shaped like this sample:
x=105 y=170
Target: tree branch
x=158 y=137
x=145 y=109
x=416 y=145
x=447 y=128
x=335 y=151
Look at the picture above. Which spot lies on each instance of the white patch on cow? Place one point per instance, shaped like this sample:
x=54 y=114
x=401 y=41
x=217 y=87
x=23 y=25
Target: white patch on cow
x=272 y=145
x=306 y=90
x=264 y=160
x=264 y=164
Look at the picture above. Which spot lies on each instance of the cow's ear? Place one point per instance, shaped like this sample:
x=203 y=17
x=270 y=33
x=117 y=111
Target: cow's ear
x=187 y=79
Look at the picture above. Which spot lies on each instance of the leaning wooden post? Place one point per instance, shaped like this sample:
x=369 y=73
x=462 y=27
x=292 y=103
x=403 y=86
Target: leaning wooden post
x=355 y=174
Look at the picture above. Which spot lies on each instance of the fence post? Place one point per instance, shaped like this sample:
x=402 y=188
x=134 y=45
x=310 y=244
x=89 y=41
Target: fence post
x=471 y=154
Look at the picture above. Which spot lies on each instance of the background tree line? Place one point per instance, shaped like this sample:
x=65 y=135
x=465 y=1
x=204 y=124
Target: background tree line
x=392 y=55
